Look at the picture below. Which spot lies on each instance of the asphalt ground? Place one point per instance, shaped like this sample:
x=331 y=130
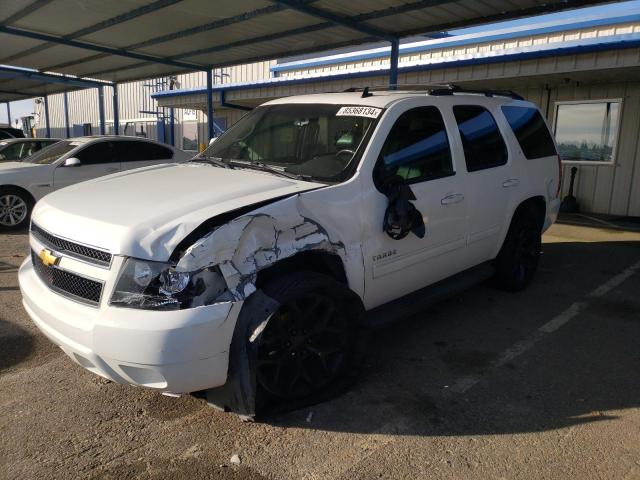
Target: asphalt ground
x=538 y=384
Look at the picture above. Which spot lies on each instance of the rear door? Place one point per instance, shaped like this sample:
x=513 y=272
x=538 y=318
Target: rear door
x=96 y=160
x=489 y=179
x=140 y=153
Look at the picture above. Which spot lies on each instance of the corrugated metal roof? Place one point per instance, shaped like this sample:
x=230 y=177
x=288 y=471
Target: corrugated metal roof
x=23 y=83
x=137 y=39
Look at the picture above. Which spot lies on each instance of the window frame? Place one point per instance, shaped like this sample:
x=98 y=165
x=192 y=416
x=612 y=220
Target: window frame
x=378 y=167
x=614 y=146
x=501 y=124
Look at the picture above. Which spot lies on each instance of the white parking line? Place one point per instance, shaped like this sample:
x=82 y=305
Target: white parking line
x=465 y=383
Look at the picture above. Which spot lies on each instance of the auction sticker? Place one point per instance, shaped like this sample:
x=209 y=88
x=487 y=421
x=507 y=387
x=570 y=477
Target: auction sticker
x=369 y=112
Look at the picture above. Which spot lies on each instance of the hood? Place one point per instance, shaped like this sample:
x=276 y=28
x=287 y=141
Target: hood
x=146 y=212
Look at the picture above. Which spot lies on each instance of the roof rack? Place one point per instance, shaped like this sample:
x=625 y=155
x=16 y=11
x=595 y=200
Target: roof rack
x=433 y=89
x=452 y=89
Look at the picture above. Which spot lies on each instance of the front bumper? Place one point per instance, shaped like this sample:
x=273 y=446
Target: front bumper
x=172 y=351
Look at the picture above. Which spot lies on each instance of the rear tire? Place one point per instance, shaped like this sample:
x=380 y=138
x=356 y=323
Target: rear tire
x=517 y=262
x=15 y=209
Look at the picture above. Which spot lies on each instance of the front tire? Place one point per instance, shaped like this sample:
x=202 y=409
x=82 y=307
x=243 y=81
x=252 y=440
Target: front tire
x=15 y=209
x=311 y=347
x=519 y=256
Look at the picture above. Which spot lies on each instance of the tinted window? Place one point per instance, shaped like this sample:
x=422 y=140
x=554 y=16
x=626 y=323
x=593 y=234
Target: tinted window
x=483 y=144
x=53 y=153
x=137 y=151
x=98 y=153
x=417 y=147
x=531 y=131
x=158 y=152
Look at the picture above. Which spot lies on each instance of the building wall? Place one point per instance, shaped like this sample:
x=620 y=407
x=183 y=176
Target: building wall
x=612 y=189
x=436 y=55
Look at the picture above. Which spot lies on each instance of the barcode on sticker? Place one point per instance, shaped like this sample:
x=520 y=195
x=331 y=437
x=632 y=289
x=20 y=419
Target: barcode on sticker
x=370 y=112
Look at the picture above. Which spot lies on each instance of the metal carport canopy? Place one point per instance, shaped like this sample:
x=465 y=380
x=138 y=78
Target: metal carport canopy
x=138 y=39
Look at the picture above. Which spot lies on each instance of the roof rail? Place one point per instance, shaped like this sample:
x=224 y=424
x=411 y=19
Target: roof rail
x=452 y=89
x=434 y=89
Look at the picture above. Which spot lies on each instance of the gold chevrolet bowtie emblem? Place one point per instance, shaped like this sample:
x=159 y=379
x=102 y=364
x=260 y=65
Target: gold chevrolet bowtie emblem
x=48 y=258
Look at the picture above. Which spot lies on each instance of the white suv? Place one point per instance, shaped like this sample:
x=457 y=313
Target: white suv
x=254 y=271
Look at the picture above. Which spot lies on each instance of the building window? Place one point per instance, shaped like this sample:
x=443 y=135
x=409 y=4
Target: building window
x=587 y=131
x=190 y=136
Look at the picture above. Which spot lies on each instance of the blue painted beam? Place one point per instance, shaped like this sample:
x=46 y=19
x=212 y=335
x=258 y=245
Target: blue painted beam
x=65 y=101
x=101 y=109
x=47 y=124
x=393 y=64
x=172 y=127
x=98 y=48
x=116 y=111
x=339 y=20
x=209 y=105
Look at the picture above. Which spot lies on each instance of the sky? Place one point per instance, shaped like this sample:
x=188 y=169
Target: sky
x=25 y=107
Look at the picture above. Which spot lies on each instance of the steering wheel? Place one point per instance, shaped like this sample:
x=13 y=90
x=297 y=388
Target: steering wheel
x=345 y=151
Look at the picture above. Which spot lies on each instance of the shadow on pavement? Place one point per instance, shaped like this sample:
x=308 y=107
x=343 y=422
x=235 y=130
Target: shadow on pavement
x=16 y=345
x=573 y=376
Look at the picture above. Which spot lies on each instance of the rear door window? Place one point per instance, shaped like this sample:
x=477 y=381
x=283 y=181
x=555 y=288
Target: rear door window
x=417 y=147
x=531 y=131
x=482 y=141
x=140 y=151
x=98 y=153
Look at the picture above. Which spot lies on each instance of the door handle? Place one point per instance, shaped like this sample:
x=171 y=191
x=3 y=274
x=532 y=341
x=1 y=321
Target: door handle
x=512 y=182
x=113 y=169
x=451 y=199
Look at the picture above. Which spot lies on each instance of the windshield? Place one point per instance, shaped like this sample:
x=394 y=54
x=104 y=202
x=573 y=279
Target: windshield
x=315 y=141
x=52 y=153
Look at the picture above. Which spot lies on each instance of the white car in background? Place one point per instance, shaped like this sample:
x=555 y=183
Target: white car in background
x=71 y=161
x=17 y=149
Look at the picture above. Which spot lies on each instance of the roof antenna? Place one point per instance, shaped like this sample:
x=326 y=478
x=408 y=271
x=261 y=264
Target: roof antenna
x=365 y=93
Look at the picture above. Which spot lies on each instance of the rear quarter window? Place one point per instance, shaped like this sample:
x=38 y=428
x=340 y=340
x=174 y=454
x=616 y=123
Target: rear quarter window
x=531 y=131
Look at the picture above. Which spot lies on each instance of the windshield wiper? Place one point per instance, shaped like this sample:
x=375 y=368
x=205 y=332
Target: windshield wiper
x=263 y=167
x=216 y=161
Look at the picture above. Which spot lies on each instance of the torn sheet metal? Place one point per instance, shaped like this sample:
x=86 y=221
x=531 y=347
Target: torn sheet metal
x=247 y=244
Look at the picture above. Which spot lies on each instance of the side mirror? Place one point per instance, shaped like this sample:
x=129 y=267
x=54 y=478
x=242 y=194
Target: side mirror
x=72 y=162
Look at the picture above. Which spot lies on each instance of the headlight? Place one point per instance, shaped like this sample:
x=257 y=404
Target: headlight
x=158 y=286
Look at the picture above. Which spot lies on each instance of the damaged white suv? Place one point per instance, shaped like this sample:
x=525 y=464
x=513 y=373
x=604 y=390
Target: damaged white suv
x=253 y=272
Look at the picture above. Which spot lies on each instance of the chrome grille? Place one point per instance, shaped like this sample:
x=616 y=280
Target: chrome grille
x=68 y=284
x=71 y=249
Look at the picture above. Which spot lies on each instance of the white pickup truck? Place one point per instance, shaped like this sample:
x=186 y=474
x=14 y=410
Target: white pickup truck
x=253 y=272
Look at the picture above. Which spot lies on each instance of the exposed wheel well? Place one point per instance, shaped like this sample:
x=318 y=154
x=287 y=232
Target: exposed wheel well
x=535 y=206
x=320 y=262
x=21 y=190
